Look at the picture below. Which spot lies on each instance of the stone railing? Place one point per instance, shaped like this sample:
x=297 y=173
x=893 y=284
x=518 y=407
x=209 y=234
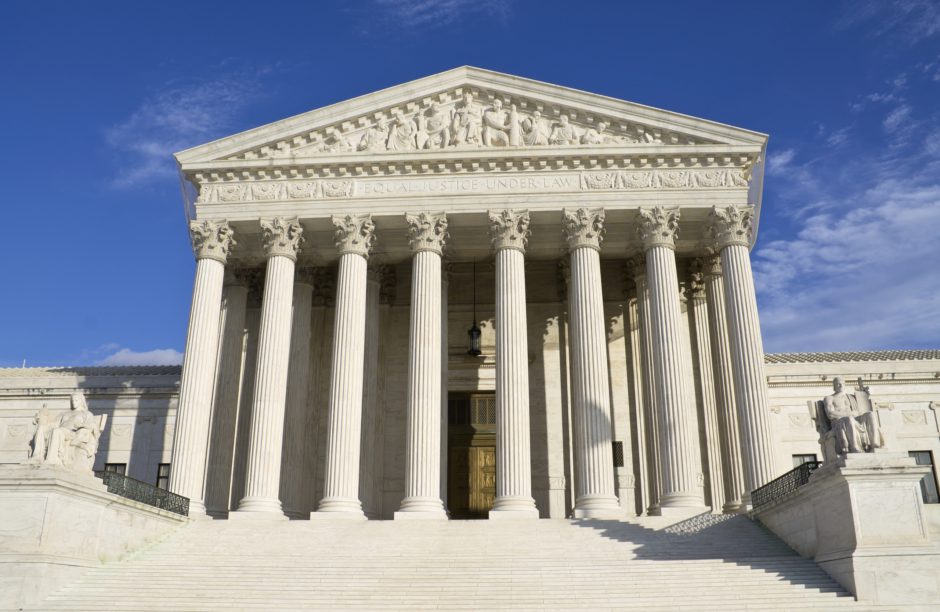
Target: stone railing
x=778 y=488
x=145 y=493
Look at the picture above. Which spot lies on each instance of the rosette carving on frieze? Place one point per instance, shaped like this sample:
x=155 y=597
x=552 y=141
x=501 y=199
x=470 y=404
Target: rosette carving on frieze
x=354 y=234
x=584 y=227
x=731 y=225
x=211 y=239
x=427 y=231
x=657 y=226
x=509 y=229
x=282 y=236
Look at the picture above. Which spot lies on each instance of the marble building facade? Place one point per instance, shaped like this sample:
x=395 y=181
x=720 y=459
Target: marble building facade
x=600 y=246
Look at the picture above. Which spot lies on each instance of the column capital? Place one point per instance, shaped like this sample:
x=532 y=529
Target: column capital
x=509 y=229
x=709 y=265
x=583 y=227
x=427 y=231
x=305 y=276
x=282 y=237
x=731 y=225
x=636 y=266
x=657 y=226
x=354 y=234
x=211 y=239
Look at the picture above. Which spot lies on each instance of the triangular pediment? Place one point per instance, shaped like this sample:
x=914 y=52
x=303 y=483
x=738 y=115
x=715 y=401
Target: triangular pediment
x=465 y=110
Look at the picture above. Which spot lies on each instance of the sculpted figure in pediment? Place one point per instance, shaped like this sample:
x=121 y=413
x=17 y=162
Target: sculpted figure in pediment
x=468 y=122
x=496 y=125
x=534 y=130
x=374 y=139
x=563 y=133
x=403 y=135
x=434 y=128
x=338 y=143
x=595 y=136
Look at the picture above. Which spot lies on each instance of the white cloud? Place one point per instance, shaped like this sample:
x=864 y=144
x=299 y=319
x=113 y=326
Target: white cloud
x=912 y=20
x=778 y=163
x=897 y=118
x=433 y=13
x=156 y=357
x=178 y=117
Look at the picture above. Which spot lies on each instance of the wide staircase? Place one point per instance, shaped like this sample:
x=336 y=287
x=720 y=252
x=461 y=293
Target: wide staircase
x=704 y=563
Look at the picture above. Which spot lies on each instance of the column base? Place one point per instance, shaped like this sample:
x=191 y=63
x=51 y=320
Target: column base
x=339 y=508
x=421 y=508
x=683 y=512
x=597 y=507
x=420 y=515
x=512 y=507
x=498 y=515
x=734 y=508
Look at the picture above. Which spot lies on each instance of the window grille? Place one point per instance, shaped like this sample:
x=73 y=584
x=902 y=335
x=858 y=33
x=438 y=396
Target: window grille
x=618 y=453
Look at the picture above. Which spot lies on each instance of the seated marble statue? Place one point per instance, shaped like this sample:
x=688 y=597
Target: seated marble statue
x=853 y=423
x=71 y=440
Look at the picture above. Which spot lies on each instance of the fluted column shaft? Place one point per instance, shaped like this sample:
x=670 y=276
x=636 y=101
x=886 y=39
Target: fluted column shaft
x=650 y=409
x=212 y=242
x=590 y=378
x=724 y=386
x=354 y=237
x=282 y=239
x=676 y=410
x=423 y=442
x=370 y=399
x=445 y=363
x=513 y=454
x=296 y=433
x=731 y=228
x=225 y=401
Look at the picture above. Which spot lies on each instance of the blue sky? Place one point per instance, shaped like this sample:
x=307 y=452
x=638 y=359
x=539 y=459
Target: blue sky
x=97 y=95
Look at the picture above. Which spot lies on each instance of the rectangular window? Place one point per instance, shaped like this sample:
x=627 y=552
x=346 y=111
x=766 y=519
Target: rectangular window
x=163 y=476
x=117 y=468
x=799 y=460
x=618 y=454
x=928 y=484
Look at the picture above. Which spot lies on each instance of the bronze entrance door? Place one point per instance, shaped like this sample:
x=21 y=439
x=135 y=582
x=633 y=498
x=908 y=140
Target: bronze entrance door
x=471 y=461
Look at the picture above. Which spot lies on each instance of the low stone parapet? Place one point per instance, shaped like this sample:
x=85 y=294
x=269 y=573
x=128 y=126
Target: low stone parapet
x=861 y=518
x=55 y=524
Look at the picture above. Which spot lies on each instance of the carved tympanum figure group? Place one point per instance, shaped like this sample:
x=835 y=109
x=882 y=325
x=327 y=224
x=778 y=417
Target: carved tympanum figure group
x=69 y=440
x=469 y=123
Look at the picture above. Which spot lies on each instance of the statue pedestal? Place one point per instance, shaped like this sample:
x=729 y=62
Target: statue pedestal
x=56 y=523
x=862 y=519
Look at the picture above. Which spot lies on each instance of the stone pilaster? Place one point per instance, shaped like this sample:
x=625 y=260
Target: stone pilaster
x=657 y=228
x=590 y=378
x=510 y=232
x=281 y=239
x=212 y=242
x=724 y=384
x=637 y=265
x=295 y=412
x=354 y=235
x=371 y=504
x=730 y=227
x=703 y=355
x=225 y=401
x=427 y=234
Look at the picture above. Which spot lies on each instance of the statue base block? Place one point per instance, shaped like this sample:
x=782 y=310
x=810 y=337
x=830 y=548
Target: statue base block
x=862 y=519
x=56 y=523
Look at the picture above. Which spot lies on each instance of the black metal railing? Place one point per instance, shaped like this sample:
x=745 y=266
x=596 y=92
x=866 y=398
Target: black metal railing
x=144 y=492
x=784 y=485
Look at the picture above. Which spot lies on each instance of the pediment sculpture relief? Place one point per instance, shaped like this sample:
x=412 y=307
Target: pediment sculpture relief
x=464 y=121
x=69 y=440
x=847 y=422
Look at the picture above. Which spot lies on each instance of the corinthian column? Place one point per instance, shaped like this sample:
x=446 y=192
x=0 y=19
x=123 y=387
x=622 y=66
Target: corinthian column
x=281 y=239
x=657 y=229
x=212 y=241
x=510 y=232
x=724 y=384
x=594 y=462
x=731 y=230
x=427 y=234
x=637 y=266
x=354 y=235
x=295 y=411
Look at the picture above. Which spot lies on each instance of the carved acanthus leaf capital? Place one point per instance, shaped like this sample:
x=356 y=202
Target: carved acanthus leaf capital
x=282 y=237
x=731 y=225
x=354 y=234
x=584 y=227
x=427 y=231
x=710 y=265
x=211 y=239
x=657 y=227
x=636 y=266
x=509 y=229
x=388 y=284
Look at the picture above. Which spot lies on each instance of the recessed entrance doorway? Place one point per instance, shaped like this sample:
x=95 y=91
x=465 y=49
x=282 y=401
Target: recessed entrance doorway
x=471 y=464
